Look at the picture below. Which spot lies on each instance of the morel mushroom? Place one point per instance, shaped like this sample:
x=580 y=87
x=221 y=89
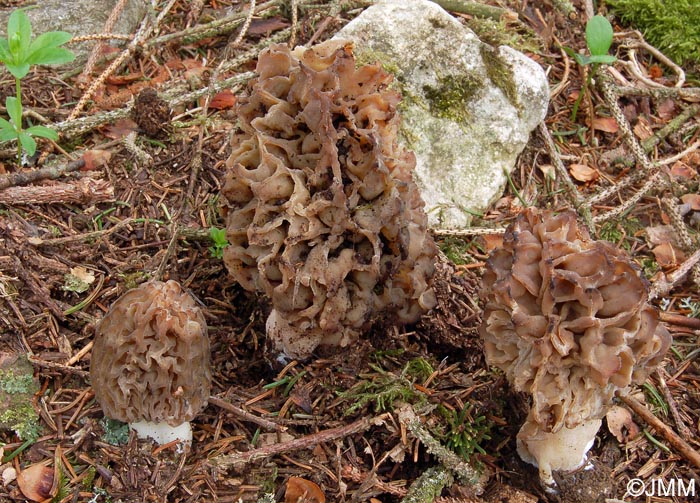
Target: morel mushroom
x=566 y=318
x=321 y=210
x=150 y=361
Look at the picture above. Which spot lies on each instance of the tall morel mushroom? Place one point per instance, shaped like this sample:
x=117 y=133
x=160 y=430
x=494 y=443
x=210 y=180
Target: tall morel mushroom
x=150 y=361
x=566 y=318
x=321 y=210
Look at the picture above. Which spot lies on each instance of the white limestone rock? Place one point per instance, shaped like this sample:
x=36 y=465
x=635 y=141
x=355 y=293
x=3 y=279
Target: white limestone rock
x=468 y=109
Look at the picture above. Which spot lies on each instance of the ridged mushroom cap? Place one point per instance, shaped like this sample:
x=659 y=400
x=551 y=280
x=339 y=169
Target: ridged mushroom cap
x=150 y=358
x=321 y=210
x=567 y=320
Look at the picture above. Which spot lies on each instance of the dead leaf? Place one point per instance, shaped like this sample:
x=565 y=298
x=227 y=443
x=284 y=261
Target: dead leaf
x=655 y=72
x=119 y=129
x=548 y=171
x=606 y=124
x=583 y=173
x=224 y=99
x=682 y=170
x=659 y=234
x=267 y=25
x=78 y=280
x=303 y=491
x=667 y=255
x=693 y=200
x=666 y=109
x=120 y=80
x=621 y=424
x=37 y=482
x=96 y=158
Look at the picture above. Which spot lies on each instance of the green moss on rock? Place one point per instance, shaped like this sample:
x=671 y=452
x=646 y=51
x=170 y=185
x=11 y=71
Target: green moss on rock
x=449 y=99
x=500 y=74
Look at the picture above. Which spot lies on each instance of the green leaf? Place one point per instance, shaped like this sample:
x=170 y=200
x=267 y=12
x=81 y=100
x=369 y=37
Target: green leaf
x=50 y=39
x=18 y=71
x=19 y=33
x=606 y=59
x=28 y=143
x=5 y=55
x=50 y=56
x=14 y=110
x=42 y=132
x=7 y=130
x=599 y=35
x=581 y=59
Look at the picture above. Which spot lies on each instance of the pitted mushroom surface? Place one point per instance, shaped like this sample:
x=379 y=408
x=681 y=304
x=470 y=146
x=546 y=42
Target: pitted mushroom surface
x=150 y=361
x=321 y=210
x=566 y=318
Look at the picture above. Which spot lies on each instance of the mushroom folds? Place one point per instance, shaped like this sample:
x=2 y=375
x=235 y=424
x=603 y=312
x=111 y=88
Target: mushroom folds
x=566 y=318
x=150 y=361
x=321 y=210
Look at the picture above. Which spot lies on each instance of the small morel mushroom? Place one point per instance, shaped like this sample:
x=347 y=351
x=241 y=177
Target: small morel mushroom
x=150 y=361
x=321 y=210
x=566 y=318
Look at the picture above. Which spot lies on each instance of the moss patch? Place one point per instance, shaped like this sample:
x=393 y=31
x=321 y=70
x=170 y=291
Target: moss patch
x=450 y=98
x=17 y=387
x=673 y=27
x=500 y=74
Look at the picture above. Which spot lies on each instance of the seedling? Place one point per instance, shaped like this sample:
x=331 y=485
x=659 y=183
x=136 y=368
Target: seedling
x=599 y=37
x=218 y=237
x=18 y=52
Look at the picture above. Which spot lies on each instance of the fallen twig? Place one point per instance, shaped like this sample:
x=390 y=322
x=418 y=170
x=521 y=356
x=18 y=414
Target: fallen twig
x=683 y=447
x=466 y=473
x=83 y=191
x=240 y=459
x=49 y=172
x=429 y=485
x=246 y=416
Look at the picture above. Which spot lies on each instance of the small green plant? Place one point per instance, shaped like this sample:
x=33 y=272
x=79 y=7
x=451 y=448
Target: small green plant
x=463 y=433
x=599 y=37
x=218 y=237
x=115 y=432
x=18 y=52
x=383 y=388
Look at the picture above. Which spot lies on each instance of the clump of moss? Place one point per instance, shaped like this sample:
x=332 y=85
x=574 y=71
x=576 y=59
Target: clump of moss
x=672 y=27
x=503 y=32
x=500 y=74
x=450 y=97
x=17 y=386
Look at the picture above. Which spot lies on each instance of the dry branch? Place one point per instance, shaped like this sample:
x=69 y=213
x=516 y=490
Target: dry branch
x=83 y=191
x=240 y=459
x=683 y=447
x=49 y=172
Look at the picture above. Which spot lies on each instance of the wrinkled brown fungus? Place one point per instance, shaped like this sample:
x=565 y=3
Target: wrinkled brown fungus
x=150 y=361
x=566 y=318
x=321 y=210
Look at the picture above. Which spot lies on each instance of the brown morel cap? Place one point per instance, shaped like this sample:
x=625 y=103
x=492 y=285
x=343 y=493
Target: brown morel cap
x=322 y=214
x=150 y=359
x=566 y=318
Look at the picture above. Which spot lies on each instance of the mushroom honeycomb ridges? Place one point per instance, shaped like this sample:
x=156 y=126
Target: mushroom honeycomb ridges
x=150 y=359
x=566 y=318
x=321 y=210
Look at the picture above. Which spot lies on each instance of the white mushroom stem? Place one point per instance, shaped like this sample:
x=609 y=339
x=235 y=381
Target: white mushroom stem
x=163 y=433
x=564 y=450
